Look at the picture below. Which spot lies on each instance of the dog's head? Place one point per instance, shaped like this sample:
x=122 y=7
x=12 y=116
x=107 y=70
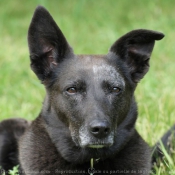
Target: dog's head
x=91 y=95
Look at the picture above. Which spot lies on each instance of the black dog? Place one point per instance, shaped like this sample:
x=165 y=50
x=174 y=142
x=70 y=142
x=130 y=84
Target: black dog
x=89 y=111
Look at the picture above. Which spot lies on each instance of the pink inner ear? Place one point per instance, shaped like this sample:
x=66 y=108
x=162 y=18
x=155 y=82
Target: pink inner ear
x=50 y=57
x=141 y=49
x=49 y=52
x=49 y=49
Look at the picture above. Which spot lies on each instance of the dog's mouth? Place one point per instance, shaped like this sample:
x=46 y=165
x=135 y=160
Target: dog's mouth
x=90 y=142
x=98 y=146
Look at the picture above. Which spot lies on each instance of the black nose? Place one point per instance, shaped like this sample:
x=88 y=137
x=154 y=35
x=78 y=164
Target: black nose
x=100 y=129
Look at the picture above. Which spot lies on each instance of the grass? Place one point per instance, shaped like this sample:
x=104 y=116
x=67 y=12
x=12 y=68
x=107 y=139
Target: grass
x=91 y=27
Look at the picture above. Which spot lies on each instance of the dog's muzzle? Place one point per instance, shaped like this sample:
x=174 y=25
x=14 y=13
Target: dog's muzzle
x=96 y=135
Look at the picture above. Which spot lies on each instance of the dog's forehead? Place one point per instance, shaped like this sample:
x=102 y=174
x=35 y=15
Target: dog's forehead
x=99 y=66
x=90 y=68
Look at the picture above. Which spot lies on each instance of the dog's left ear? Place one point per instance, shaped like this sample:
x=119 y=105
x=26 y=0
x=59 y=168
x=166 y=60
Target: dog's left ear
x=135 y=49
x=47 y=44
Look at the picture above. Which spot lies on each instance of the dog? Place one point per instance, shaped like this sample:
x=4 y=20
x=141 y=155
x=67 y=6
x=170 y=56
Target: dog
x=87 y=122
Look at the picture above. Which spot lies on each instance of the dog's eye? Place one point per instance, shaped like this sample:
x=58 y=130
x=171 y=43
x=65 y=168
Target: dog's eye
x=72 y=90
x=116 y=89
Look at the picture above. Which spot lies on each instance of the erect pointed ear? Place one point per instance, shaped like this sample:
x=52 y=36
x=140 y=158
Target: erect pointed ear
x=135 y=49
x=47 y=44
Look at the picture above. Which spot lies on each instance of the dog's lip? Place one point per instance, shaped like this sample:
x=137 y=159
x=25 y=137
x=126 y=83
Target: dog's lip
x=98 y=146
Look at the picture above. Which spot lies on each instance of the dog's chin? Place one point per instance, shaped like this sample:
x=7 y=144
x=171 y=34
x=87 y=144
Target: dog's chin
x=79 y=152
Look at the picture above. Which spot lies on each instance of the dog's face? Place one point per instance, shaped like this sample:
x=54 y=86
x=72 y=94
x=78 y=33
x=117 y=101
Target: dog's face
x=91 y=92
x=90 y=95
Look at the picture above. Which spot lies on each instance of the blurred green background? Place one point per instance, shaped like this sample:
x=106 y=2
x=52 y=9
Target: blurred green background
x=91 y=27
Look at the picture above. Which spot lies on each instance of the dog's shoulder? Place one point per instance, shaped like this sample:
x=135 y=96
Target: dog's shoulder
x=137 y=153
x=41 y=153
x=133 y=158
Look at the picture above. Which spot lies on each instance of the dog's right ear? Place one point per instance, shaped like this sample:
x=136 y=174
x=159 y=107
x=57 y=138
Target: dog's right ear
x=47 y=44
x=134 y=49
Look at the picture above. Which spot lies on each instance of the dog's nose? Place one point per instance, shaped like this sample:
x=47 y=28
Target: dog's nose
x=100 y=129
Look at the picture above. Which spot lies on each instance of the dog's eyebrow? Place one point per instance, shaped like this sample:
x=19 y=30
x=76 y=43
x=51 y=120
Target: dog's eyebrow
x=75 y=82
x=113 y=83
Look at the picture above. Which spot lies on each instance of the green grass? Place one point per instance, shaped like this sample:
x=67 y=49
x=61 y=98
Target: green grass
x=91 y=27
